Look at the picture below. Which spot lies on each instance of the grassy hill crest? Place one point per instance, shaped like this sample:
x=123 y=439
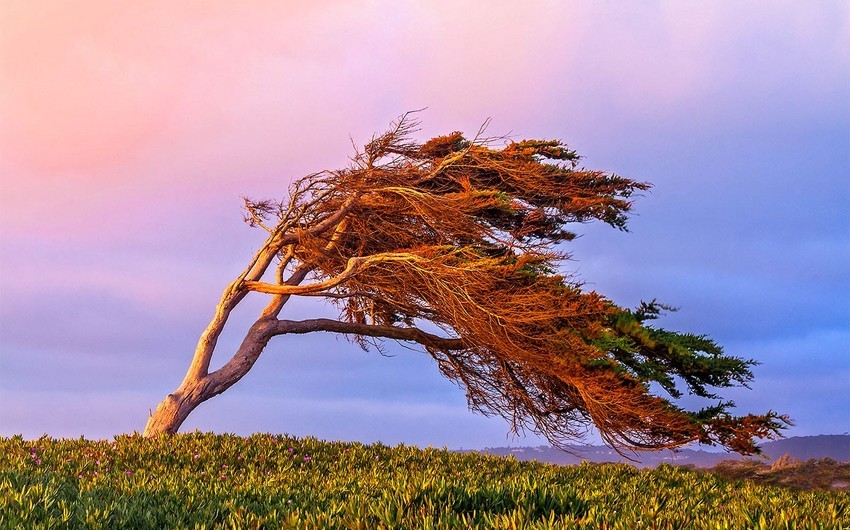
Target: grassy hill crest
x=201 y=480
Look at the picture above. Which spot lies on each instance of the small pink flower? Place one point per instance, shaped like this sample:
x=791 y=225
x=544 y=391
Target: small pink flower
x=128 y=473
x=79 y=476
x=307 y=458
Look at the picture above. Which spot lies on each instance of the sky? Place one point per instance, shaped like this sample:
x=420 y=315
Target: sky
x=130 y=131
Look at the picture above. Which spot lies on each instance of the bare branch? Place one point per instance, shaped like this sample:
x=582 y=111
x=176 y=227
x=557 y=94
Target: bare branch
x=354 y=266
x=388 y=332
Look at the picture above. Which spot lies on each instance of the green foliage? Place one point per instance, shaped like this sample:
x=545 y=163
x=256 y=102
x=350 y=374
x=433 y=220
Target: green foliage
x=195 y=481
x=657 y=355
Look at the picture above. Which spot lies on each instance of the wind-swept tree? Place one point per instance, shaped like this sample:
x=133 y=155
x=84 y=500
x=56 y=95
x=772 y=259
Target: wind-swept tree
x=453 y=245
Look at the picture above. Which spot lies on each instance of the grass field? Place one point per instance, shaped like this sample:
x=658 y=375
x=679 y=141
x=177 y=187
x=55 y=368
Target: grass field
x=198 y=480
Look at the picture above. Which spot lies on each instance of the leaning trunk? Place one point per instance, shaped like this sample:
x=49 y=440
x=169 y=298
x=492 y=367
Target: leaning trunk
x=175 y=408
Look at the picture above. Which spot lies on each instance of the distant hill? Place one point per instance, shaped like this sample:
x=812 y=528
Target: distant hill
x=836 y=446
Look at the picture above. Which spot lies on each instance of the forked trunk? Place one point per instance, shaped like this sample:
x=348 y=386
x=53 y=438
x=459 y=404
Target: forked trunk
x=197 y=388
x=199 y=384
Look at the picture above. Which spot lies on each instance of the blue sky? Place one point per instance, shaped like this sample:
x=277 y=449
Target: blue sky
x=128 y=135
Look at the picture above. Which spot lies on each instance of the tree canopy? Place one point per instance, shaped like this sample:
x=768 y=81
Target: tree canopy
x=456 y=244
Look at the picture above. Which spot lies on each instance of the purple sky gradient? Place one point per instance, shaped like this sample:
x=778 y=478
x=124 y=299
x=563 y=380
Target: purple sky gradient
x=128 y=133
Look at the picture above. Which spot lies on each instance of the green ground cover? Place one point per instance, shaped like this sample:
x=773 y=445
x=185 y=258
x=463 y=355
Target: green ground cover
x=195 y=481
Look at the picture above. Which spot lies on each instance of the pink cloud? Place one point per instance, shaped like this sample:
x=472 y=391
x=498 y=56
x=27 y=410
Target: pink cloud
x=90 y=83
x=115 y=117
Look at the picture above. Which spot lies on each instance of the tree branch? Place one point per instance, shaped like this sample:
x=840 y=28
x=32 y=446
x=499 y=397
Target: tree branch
x=354 y=266
x=332 y=220
x=424 y=338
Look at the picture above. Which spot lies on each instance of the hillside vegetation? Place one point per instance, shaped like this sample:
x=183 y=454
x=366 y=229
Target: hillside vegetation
x=815 y=473
x=198 y=480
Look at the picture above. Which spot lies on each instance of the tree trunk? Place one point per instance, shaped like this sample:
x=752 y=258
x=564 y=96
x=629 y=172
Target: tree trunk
x=175 y=408
x=172 y=412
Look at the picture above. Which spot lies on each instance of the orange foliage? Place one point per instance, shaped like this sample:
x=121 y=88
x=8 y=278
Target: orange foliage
x=461 y=236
